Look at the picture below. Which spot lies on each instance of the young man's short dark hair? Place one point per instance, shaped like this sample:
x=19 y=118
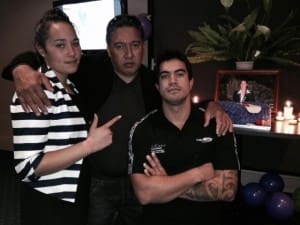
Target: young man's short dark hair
x=172 y=54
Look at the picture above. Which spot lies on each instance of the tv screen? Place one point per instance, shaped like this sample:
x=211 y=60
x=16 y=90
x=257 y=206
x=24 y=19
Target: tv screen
x=90 y=19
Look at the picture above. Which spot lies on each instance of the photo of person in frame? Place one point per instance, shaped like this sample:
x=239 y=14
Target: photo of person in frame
x=243 y=101
x=244 y=94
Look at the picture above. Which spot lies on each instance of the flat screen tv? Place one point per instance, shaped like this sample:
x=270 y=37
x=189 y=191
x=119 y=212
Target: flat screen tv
x=90 y=19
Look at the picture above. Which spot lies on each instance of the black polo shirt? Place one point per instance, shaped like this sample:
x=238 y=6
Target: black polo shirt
x=178 y=151
x=125 y=99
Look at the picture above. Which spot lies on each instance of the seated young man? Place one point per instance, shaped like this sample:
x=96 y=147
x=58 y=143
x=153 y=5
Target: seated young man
x=180 y=171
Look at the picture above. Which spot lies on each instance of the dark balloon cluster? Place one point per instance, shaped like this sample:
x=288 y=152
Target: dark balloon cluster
x=268 y=193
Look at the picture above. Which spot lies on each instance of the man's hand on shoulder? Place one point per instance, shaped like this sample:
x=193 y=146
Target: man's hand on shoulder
x=29 y=87
x=223 y=121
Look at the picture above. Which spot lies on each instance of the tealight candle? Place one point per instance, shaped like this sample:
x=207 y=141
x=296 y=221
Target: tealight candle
x=279 y=116
x=288 y=110
x=293 y=120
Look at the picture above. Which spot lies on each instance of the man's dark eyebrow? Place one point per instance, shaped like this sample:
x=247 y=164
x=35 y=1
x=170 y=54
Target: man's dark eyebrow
x=178 y=70
x=164 y=71
x=132 y=42
x=59 y=39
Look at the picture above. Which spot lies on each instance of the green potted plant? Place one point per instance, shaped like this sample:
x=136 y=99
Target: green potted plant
x=248 y=40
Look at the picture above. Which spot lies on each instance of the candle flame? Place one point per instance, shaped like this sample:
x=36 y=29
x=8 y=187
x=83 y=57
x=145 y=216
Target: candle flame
x=196 y=99
x=288 y=103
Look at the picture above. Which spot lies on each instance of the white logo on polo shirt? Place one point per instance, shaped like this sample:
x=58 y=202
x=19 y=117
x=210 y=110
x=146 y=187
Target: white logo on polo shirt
x=204 y=139
x=158 y=148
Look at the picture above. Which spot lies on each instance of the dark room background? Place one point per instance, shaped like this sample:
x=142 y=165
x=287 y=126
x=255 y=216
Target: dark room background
x=172 y=20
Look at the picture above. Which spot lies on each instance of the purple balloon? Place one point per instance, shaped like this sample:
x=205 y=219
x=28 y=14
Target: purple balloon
x=254 y=195
x=147 y=26
x=280 y=206
x=272 y=182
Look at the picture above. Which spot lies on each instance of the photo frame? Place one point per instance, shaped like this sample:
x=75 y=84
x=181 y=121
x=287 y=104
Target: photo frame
x=263 y=83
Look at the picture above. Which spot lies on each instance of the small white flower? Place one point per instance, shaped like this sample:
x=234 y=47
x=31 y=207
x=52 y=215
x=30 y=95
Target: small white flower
x=257 y=53
x=227 y=3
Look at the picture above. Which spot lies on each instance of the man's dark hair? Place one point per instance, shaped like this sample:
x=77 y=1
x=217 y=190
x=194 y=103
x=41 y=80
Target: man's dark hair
x=123 y=21
x=169 y=55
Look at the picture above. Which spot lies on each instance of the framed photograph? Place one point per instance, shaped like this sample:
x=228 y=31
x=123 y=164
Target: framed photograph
x=264 y=85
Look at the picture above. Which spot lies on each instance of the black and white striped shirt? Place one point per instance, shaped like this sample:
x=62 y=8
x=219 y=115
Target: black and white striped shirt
x=34 y=136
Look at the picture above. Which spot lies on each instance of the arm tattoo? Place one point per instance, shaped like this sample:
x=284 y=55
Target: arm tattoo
x=222 y=187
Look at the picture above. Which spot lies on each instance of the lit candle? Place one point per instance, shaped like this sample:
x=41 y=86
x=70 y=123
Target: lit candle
x=279 y=125
x=293 y=120
x=279 y=116
x=288 y=110
x=195 y=99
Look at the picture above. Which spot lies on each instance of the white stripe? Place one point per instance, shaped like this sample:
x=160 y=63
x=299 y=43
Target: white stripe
x=19 y=167
x=68 y=121
x=25 y=154
x=64 y=108
x=66 y=135
x=45 y=123
x=57 y=175
x=52 y=109
x=21 y=139
x=16 y=108
x=60 y=174
x=51 y=148
x=29 y=139
x=58 y=188
x=30 y=123
x=69 y=199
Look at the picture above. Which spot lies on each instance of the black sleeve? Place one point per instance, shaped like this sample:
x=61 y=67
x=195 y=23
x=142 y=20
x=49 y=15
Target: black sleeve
x=28 y=58
x=226 y=157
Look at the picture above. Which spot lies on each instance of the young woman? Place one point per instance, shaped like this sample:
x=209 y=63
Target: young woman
x=49 y=149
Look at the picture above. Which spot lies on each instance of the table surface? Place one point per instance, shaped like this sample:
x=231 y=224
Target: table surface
x=279 y=129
